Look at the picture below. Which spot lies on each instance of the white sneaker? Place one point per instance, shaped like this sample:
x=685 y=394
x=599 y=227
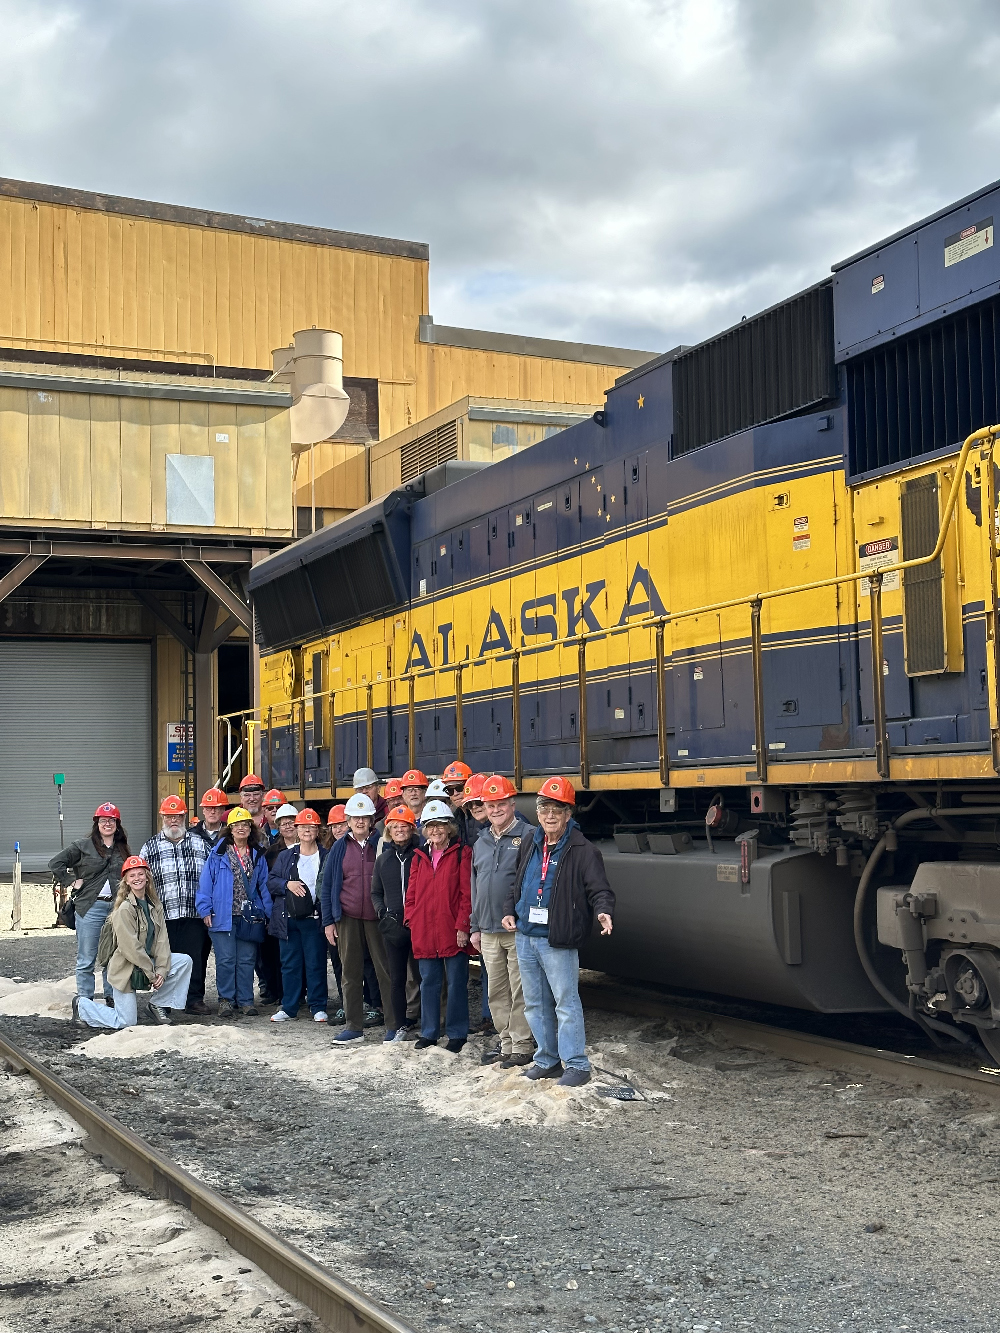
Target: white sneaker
x=401 y=1035
x=320 y=1017
x=279 y=1016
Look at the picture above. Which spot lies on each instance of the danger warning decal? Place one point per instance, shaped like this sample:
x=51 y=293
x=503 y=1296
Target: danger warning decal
x=879 y=555
x=968 y=242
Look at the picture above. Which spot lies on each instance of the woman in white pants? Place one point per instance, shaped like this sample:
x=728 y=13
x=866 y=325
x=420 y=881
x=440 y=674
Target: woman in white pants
x=142 y=959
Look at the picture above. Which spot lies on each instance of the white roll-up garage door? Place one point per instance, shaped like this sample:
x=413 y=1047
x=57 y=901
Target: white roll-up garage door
x=82 y=709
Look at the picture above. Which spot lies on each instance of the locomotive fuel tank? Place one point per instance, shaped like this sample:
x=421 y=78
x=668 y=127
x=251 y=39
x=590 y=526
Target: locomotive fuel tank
x=688 y=920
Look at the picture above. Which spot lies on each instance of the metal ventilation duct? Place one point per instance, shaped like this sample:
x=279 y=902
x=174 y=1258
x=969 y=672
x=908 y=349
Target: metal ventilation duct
x=314 y=367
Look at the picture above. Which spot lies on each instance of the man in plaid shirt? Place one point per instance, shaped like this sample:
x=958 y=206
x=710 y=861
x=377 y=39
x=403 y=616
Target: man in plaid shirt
x=176 y=857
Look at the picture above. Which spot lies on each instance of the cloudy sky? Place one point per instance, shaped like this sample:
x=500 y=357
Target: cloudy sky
x=640 y=172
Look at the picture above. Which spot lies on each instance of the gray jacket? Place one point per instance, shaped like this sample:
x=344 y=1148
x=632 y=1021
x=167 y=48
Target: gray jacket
x=494 y=867
x=81 y=860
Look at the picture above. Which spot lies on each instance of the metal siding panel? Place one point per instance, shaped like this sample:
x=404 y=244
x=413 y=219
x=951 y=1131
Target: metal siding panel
x=251 y=465
x=14 y=453
x=106 y=459
x=164 y=438
x=278 y=463
x=136 y=474
x=75 y=473
x=52 y=693
x=43 y=455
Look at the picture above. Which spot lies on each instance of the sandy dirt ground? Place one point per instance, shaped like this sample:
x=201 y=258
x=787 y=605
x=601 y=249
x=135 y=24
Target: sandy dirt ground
x=738 y=1192
x=83 y=1253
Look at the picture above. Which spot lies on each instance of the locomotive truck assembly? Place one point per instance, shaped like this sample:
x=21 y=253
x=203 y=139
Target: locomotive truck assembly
x=750 y=607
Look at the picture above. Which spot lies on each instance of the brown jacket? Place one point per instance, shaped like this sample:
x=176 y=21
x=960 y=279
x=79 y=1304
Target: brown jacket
x=129 y=926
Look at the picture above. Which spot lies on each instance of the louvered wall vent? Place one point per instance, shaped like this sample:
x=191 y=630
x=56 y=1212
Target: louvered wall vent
x=924 y=392
x=427 y=451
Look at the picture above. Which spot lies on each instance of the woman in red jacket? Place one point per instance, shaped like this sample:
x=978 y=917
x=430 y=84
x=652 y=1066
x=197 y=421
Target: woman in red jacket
x=438 y=906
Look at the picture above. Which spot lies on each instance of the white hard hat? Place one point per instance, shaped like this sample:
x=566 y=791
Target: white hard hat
x=437 y=811
x=285 y=811
x=437 y=790
x=364 y=777
x=359 y=804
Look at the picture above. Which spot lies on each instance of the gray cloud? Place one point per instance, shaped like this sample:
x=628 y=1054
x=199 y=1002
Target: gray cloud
x=633 y=171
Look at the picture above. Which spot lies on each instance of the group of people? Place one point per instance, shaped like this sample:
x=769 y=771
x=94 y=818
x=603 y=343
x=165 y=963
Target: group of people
x=399 y=888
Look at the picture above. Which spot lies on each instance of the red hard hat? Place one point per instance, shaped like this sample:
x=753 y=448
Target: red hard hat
x=401 y=814
x=134 y=863
x=273 y=798
x=307 y=816
x=558 y=789
x=215 y=797
x=497 y=788
x=413 y=778
x=392 y=789
x=456 y=772
x=474 y=787
x=107 y=811
x=337 y=815
x=251 y=780
x=172 y=805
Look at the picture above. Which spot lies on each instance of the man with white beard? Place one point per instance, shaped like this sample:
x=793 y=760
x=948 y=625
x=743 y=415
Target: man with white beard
x=176 y=857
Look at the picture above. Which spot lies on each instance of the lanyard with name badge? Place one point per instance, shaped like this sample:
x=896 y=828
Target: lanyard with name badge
x=539 y=915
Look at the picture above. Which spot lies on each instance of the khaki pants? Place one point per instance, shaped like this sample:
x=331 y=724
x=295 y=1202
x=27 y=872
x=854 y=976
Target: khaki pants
x=351 y=932
x=506 y=1004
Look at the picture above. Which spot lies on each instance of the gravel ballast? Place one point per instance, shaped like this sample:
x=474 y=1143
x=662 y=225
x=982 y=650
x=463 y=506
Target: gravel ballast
x=740 y=1191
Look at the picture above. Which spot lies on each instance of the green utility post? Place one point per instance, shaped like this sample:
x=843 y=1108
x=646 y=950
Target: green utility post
x=59 y=779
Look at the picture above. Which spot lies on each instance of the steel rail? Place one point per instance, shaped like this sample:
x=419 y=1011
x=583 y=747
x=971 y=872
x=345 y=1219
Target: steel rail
x=341 y=1306
x=802 y=1047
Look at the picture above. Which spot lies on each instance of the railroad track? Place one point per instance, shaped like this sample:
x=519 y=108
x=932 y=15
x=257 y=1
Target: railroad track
x=804 y=1047
x=338 y=1304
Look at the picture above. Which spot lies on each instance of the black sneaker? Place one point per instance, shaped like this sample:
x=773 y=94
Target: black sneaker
x=454 y=1044
x=339 y=1017
x=77 y=1020
x=374 y=1018
x=491 y=1056
x=252 y=1011
x=422 y=1043
x=159 y=1014
x=574 y=1078
x=109 y=1000
x=535 y=1072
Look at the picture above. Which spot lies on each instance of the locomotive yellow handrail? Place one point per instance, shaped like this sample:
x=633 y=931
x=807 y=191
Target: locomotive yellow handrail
x=657 y=623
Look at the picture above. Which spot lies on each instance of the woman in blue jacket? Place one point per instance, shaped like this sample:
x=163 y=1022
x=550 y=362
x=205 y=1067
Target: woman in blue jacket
x=235 y=905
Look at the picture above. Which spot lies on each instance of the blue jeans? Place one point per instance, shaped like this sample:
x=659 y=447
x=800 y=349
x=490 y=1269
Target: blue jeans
x=234 y=965
x=305 y=944
x=171 y=995
x=88 y=933
x=432 y=974
x=550 y=985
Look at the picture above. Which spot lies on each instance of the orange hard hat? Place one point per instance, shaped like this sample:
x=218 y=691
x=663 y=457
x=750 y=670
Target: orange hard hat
x=307 y=816
x=456 y=772
x=558 y=789
x=107 y=811
x=392 y=789
x=251 y=780
x=135 y=863
x=414 y=778
x=172 y=805
x=214 y=796
x=474 y=787
x=337 y=815
x=401 y=814
x=497 y=788
x=273 y=798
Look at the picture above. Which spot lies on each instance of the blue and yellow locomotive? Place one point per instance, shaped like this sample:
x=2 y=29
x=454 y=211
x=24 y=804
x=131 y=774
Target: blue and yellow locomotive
x=750 y=608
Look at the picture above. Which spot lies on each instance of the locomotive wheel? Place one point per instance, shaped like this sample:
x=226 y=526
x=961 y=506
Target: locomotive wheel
x=971 y=989
x=991 y=1040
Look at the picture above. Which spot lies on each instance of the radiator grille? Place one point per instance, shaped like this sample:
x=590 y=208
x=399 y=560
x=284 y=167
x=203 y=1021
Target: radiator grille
x=924 y=392
x=773 y=365
x=923 y=589
x=420 y=455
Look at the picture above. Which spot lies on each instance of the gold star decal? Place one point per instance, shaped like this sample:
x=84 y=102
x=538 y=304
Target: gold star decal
x=640 y=400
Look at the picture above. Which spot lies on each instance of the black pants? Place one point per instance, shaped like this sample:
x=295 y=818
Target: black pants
x=399 y=956
x=188 y=935
x=269 y=967
x=373 y=997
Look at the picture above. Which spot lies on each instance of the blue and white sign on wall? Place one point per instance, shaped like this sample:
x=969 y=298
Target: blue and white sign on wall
x=179 y=736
